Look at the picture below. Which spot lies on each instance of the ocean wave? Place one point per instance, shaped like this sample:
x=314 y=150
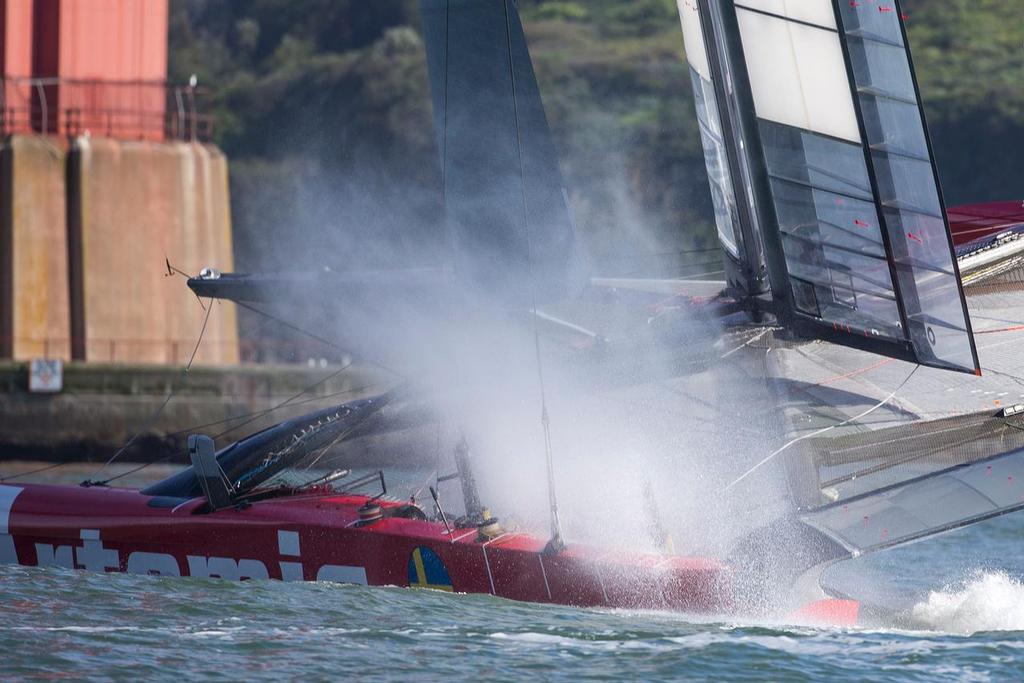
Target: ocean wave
x=987 y=601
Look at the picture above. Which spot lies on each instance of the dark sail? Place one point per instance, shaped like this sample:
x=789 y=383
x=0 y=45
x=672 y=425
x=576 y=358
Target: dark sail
x=512 y=233
x=512 y=236
x=837 y=171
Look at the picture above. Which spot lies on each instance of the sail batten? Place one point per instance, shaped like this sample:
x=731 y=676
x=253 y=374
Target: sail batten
x=817 y=13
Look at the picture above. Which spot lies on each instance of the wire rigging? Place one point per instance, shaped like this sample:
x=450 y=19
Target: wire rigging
x=847 y=421
x=249 y=418
x=31 y=472
x=252 y=417
x=156 y=415
x=556 y=542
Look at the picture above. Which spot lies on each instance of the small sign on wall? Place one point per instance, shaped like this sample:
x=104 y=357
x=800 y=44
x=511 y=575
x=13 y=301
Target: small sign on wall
x=45 y=375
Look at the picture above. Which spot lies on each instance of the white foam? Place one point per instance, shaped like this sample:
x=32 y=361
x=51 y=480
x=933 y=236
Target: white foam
x=989 y=601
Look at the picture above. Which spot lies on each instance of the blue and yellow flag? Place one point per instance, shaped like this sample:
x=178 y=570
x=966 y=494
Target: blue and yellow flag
x=426 y=570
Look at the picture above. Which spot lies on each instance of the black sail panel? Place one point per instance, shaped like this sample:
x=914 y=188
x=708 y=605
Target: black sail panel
x=509 y=220
x=857 y=244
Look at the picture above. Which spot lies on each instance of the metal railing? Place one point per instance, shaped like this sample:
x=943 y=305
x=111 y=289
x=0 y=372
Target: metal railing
x=128 y=110
x=178 y=351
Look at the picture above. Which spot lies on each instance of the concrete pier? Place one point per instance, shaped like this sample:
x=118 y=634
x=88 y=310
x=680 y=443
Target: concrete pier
x=34 y=319
x=85 y=227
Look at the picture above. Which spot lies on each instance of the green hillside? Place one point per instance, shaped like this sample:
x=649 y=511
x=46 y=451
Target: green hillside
x=324 y=110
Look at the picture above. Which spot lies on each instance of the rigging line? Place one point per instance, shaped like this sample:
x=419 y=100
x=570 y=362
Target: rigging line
x=287 y=401
x=657 y=254
x=1014 y=328
x=1013 y=426
x=750 y=341
x=823 y=430
x=444 y=122
x=1015 y=378
x=265 y=323
x=202 y=332
x=664 y=384
x=976 y=316
x=267 y=411
x=257 y=415
x=35 y=471
x=901 y=460
x=545 y=420
x=322 y=451
x=158 y=461
x=437 y=465
x=291 y=326
x=174 y=270
x=639 y=272
x=853 y=373
x=311 y=335
x=426 y=484
x=167 y=399
x=253 y=417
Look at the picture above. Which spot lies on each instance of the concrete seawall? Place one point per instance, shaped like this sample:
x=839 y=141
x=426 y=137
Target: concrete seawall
x=140 y=203
x=34 y=290
x=103 y=405
x=84 y=234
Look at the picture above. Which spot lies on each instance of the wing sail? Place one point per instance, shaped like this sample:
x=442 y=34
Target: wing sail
x=726 y=166
x=840 y=173
x=875 y=490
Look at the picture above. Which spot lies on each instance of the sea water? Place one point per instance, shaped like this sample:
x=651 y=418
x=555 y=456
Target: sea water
x=951 y=608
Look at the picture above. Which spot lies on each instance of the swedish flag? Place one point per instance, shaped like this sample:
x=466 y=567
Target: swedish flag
x=426 y=570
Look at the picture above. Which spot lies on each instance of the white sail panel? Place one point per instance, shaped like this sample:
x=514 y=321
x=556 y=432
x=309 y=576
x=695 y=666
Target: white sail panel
x=818 y=12
x=693 y=38
x=798 y=75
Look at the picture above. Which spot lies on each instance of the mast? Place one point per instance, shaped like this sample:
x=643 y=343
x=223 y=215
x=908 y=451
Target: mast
x=508 y=215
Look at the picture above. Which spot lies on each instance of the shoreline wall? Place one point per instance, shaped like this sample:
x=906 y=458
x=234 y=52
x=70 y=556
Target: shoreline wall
x=104 y=405
x=34 y=291
x=84 y=234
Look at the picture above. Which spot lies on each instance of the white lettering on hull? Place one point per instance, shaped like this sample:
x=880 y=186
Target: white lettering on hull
x=226 y=568
x=54 y=556
x=153 y=564
x=93 y=556
x=288 y=544
x=8 y=553
x=342 y=574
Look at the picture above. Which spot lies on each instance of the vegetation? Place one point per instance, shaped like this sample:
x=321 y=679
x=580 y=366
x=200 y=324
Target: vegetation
x=323 y=107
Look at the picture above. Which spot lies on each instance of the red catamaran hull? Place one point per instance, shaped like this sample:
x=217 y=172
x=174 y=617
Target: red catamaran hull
x=318 y=537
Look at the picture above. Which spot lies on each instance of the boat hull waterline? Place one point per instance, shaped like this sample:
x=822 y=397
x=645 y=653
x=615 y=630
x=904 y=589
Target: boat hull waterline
x=320 y=537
